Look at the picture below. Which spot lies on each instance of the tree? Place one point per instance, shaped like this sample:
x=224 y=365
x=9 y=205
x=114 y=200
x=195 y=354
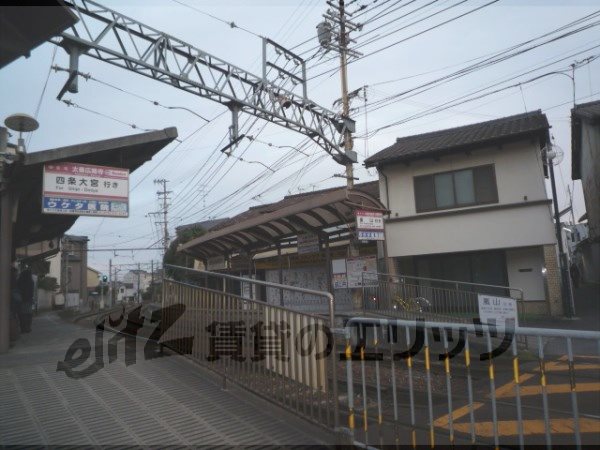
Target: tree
x=174 y=258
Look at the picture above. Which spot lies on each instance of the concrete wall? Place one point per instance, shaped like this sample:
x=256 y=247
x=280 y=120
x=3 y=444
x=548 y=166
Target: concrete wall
x=590 y=175
x=553 y=280
x=519 y=178
x=506 y=228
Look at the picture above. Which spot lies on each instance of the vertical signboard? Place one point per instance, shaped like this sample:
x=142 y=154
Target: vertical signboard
x=369 y=225
x=85 y=190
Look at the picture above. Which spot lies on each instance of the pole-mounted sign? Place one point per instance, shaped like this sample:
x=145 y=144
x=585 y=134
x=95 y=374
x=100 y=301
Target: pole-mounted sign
x=85 y=190
x=369 y=225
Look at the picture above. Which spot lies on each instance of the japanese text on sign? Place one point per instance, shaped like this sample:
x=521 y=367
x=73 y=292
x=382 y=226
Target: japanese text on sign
x=87 y=190
x=498 y=310
x=369 y=220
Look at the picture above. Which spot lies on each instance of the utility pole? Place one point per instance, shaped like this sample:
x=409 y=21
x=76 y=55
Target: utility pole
x=348 y=144
x=152 y=281
x=138 y=283
x=66 y=279
x=567 y=293
x=110 y=286
x=164 y=197
x=333 y=35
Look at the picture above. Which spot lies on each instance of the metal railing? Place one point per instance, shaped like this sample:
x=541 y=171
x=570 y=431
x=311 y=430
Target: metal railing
x=436 y=383
x=409 y=296
x=280 y=354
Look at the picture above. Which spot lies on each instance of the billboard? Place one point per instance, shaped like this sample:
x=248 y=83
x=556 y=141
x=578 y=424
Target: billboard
x=85 y=190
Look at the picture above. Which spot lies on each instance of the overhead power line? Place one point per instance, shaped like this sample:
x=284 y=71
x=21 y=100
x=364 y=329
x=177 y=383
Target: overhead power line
x=231 y=23
x=445 y=22
x=464 y=99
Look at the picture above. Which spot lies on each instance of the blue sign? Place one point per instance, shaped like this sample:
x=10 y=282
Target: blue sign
x=58 y=205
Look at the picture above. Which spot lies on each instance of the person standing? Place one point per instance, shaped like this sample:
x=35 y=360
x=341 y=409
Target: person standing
x=26 y=286
x=15 y=305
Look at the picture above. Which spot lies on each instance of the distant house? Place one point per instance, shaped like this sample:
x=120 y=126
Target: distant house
x=137 y=282
x=470 y=204
x=69 y=267
x=93 y=278
x=585 y=166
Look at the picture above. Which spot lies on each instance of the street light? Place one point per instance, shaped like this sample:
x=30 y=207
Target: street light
x=23 y=123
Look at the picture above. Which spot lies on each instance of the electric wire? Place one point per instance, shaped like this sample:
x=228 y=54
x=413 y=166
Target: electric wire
x=231 y=24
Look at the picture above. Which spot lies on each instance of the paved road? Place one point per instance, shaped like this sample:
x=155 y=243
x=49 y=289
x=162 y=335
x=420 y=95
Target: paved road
x=163 y=401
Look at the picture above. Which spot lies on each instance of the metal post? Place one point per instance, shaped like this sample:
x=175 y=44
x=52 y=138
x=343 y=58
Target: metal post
x=66 y=280
x=280 y=266
x=328 y=264
x=264 y=60
x=151 y=281
x=110 y=286
x=5 y=267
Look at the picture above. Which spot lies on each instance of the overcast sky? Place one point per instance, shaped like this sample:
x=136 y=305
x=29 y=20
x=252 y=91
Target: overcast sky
x=201 y=191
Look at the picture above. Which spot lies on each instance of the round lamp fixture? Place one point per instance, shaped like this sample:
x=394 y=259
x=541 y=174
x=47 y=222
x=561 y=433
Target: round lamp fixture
x=23 y=123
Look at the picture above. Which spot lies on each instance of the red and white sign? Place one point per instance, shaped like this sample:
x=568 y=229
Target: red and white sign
x=85 y=190
x=369 y=220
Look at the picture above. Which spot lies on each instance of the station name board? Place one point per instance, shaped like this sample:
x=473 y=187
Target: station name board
x=85 y=190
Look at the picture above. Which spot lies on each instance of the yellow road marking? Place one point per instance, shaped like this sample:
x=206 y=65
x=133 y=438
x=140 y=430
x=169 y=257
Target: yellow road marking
x=560 y=367
x=553 y=389
x=456 y=414
x=508 y=389
x=510 y=427
x=566 y=358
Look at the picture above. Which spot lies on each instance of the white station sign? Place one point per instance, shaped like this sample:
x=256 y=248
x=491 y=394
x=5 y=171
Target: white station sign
x=502 y=310
x=369 y=225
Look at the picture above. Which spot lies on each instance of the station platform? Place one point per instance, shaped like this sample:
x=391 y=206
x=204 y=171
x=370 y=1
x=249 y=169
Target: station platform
x=162 y=401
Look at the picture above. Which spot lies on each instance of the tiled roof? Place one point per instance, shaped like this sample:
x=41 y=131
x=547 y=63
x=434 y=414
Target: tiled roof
x=462 y=138
x=589 y=110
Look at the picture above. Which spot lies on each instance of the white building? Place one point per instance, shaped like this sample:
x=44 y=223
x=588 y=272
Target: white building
x=137 y=282
x=470 y=204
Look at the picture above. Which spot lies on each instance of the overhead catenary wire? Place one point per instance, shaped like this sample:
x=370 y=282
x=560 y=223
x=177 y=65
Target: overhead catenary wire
x=106 y=116
x=88 y=76
x=231 y=23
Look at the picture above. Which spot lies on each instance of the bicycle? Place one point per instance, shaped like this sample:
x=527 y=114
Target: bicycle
x=413 y=304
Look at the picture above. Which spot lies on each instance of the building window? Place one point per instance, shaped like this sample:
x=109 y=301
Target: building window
x=459 y=188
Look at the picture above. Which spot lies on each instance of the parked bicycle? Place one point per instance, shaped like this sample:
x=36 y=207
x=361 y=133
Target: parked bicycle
x=414 y=304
